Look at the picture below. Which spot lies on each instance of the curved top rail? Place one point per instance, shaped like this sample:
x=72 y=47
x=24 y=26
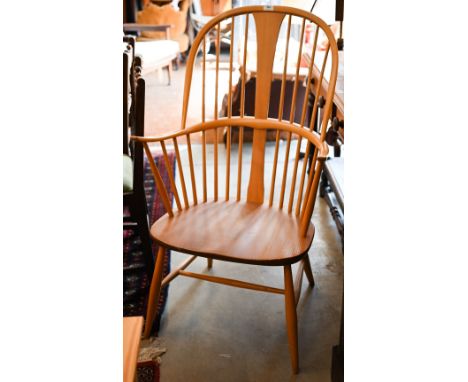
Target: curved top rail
x=260 y=9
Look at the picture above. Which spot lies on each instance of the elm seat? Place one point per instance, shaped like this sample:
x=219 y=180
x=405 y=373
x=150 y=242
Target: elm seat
x=127 y=173
x=242 y=231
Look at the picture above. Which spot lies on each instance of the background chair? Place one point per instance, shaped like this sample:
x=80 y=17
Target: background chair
x=202 y=11
x=155 y=54
x=258 y=218
x=167 y=14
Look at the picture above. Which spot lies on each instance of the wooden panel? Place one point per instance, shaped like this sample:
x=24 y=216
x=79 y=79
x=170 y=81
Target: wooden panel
x=267 y=27
x=132 y=327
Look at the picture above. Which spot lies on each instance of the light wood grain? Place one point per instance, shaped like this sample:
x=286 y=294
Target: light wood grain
x=235 y=231
x=247 y=230
x=175 y=272
x=298 y=281
x=158 y=179
x=132 y=327
x=308 y=271
x=180 y=172
x=171 y=175
x=291 y=318
x=285 y=69
x=267 y=27
x=232 y=282
x=155 y=290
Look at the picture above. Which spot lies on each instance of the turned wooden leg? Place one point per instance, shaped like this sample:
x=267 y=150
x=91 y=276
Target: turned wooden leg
x=308 y=271
x=210 y=263
x=155 y=290
x=291 y=318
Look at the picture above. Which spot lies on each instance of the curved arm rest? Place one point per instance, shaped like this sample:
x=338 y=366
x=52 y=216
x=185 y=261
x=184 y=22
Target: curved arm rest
x=265 y=124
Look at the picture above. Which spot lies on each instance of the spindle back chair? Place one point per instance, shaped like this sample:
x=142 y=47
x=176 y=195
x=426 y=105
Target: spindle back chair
x=227 y=219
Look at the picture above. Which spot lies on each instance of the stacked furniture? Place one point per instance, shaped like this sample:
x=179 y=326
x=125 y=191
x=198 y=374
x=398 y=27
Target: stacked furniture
x=134 y=198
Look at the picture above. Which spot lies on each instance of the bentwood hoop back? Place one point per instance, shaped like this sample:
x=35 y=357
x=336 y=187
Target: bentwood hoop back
x=262 y=217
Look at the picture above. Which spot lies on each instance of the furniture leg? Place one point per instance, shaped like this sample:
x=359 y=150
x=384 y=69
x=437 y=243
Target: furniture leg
x=155 y=290
x=169 y=72
x=323 y=185
x=291 y=317
x=210 y=263
x=308 y=270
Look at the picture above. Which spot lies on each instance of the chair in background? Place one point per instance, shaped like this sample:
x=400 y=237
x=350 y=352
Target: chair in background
x=134 y=198
x=155 y=54
x=166 y=14
x=254 y=219
x=202 y=11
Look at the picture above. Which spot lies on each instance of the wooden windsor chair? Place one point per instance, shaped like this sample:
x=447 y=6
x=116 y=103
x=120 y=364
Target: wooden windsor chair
x=249 y=226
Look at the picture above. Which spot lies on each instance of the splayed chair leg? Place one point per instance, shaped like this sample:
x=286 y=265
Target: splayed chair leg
x=308 y=271
x=155 y=290
x=291 y=318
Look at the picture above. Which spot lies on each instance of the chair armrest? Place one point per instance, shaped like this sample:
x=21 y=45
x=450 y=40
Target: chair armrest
x=133 y=27
x=322 y=154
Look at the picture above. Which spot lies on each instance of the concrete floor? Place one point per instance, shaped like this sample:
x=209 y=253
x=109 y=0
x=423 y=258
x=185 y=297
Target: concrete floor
x=214 y=332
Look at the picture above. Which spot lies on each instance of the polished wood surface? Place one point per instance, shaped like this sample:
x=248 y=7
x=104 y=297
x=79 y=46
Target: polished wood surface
x=236 y=231
x=132 y=327
x=268 y=27
x=291 y=318
x=155 y=290
x=247 y=228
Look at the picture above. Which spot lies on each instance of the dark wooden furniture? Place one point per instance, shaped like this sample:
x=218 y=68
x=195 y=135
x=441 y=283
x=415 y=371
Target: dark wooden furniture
x=273 y=109
x=332 y=184
x=134 y=199
x=155 y=54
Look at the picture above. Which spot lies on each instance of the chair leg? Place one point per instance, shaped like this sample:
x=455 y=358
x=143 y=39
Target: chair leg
x=291 y=318
x=155 y=290
x=169 y=73
x=210 y=263
x=308 y=270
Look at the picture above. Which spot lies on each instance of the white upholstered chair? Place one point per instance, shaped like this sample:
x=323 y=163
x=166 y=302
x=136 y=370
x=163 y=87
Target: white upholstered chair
x=155 y=54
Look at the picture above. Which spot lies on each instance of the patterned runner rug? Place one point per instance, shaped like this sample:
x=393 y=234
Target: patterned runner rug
x=135 y=280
